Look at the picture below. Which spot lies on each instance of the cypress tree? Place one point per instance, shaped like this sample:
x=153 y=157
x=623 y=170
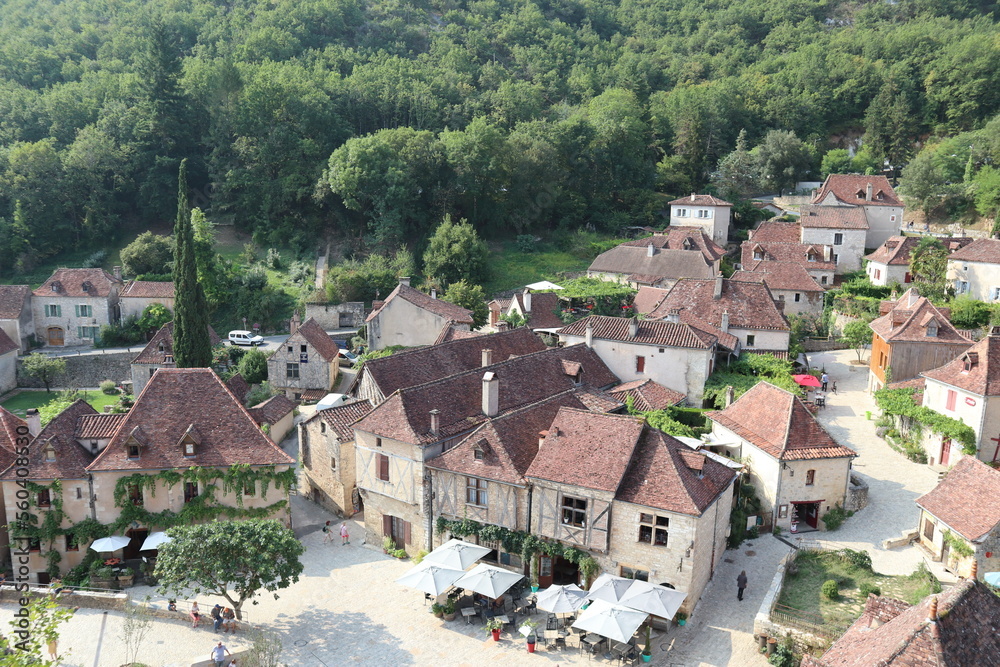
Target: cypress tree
x=192 y=348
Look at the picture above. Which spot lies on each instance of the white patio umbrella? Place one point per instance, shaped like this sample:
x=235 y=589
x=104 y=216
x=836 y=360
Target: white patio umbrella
x=609 y=588
x=610 y=620
x=652 y=599
x=992 y=578
x=154 y=541
x=488 y=580
x=561 y=599
x=113 y=543
x=457 y=554
x=430 y=578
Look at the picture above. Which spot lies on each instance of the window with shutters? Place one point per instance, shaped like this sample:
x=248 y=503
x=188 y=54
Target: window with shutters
x=907 y=278
x=751 y=339
x=640 y=364
x=798 y=297
x=44 y=499
x=190 y=491
x=383 y=467
x=838 y=239
x=71 y=542
x=53 y=311
x=928 y=529
x=88 y=332
x=682 y=213
x=83 y=310
x=950 y=400
x=135 y=495
x=475 y=491
x=810 y=477
x=574 y=511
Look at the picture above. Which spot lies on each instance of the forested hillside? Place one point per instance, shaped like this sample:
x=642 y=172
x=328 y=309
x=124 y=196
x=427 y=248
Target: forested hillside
x=301 y=117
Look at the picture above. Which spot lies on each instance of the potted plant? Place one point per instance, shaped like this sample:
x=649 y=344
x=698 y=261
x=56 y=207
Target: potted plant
x=388 y=545
x=126 y=578
x=437 y=610
x=148 y=573
x=647 y=653
x=102 y=577
x=494 y=626
x=681 y=618
x=449 y=610
x=531 y=637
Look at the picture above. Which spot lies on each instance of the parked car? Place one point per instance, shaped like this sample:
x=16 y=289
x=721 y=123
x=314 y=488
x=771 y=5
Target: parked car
x=346 y=358
x=240 y=337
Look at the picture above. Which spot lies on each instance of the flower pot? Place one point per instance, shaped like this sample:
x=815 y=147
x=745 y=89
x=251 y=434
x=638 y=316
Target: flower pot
x=531 y=645
x=439 y=614
x=496 y=635
x=761 y=641
x=682 y=622
x=647 y=657
x=534 y=588
x=772 y=644
x=449 y=617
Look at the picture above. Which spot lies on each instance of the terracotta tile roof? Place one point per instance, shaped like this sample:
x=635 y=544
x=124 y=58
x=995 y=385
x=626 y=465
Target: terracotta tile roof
x=851 y=189
x=449 y=333
x=544 y=306
x=147 y=289
x=71 y=282
x=663 y=264
x=895 y=634
x=239 y=386
x=958 y=498
x=980 y=250
x=983 y=376
x=509 y=443
x=176 y=401
x=97 y=427
x=780 y=276
x=700 y=200
x=798 y=253
x=409 y=368
x=909 y=318
x=71 y=459
x=405 y=415
x=648 y=332
x=9 y=423
x=681 y=238
x=448 y=311
x=6 y=344
x=666 y=474
x=12 y=300
x=725 y=339
x=587 y=449
x=312 y=395
x=647 y=395
x=750 y=305
x=272 y=410
x=648 y=298
x=319 y=339
x=895 y=251
x=598 y=401
x=833 y=217
x=152 y=354
x=777 y=422
x=775 y=231
x=341 y=417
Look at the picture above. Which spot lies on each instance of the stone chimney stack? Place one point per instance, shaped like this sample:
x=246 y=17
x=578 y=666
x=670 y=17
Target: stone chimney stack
x=502 y=325
x=527 y=301
x=868 y=192
x=717 y=294
x=590 y=334
x=118 y=272
x=435 y=421
x=487 y=357
x=694 y=197
x=650 y=250
x=294 y=323
x=491 y=394
x=434 y=293
x=673 y=316
x=34 y=422
x=541 y=437
x=404 y=280
x=633 y=327
x=725 y=321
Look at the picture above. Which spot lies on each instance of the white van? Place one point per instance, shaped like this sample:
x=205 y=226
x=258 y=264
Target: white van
x=245 y=338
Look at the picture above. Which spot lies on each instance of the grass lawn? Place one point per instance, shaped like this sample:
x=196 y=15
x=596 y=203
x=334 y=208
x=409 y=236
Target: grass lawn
x=21 y=402
x=510 y=268
x=802 y=590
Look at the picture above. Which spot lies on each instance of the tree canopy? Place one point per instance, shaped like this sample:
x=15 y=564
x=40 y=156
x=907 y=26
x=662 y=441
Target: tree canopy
x=455 y=252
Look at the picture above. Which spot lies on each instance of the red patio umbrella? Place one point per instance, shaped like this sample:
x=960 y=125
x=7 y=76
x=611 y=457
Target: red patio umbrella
x=807 y=380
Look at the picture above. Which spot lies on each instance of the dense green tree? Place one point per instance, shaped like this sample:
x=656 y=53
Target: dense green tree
x=858 y=336
x=470 y=297
x=192 y=348
x=928 y=263
x=253 y=366
x=782 y=159
x=455 y=252
x=737 y=176
x=987 y=191
x=44 y=368
x=148 y=253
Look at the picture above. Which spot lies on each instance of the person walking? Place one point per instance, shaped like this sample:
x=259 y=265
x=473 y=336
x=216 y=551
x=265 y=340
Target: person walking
x=741 y=584
x=327 y=533
x=216 y=617
x=345 y=537
x=195 y=614
x=219 y=654
x=825 y=379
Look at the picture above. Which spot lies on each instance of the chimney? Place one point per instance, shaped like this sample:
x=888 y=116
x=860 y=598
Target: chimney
x=590 y=334
x=34 y=422
x=974 y=573
x=435 y=421
x=434 y=293
x=674 y=315
x=827 y=253
x=168 y=358
x=650 y=250
x=118 y=272
x=404 y=280
x=725 y=321
x=502 y=325
x=487 y=357
x=633 y=327
x=868 y=192
x=730 y=394
x=717 y=294
x=694 y=197
x=932 y=613
x=294 y=323
x=541 y=437
x=780 y=305
x=491 y=394
x=527 y=300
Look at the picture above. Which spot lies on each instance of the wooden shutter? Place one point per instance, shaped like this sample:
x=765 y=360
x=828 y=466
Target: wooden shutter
x=383 y=467
x=386 y=525
x=640 y=364
x=406 y=532
x=952 y=396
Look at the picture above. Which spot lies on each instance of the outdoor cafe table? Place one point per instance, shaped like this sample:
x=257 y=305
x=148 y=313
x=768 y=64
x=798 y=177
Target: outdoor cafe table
x=592 y=639
x=468 y=613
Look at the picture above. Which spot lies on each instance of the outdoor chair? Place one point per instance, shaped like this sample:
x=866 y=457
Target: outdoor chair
x=572 y=640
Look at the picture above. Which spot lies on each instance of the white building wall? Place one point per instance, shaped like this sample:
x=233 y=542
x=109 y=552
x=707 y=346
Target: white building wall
x=8 y=371
x=134 y=306
x=849 y=251
x=809 y=303
x=714 y=220
x=102 y=312
x=981 y=413
x=883 y=222
x=401 y=323
x=763 y=339
x=983 y=279
x=884 y=274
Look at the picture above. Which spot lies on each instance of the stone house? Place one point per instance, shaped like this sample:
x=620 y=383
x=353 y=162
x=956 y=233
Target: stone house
x=883 y=208
x=408 y=317
x=137 y=295
x=974 y=270
x=967 y=388
x=746 y=310
x=540 y=310
x=418 y=423
x=16 y=319
x=675 y=354
x=962 y=508
x=379 y=378
x=650 y=265
x=159 y=353
x=71 y=306
x=326 y=446
x=790 y=283
x=890 y=263
x=842 y=228
x=799 y=471
x=683 y=238
x=275 y=416
x=817 y=260
x=306 y=365
x=709 y=213
x=8 y=363
x=12 y=427
x=911 y=336
x=955 y=627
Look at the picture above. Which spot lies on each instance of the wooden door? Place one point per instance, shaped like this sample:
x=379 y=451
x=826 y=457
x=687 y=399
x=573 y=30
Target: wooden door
x=55 y=335
x=945 y=451
x=544 y=571
x=138 y=536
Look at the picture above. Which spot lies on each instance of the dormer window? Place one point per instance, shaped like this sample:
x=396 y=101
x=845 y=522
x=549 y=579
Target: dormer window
x=970 y=360
x=860 y=194
x=162 y=347
x=189 y=449
x=478 y=454
x=932 y=329
x=55 y=288
x=86 y=287
x=50 y=453
x=133 y=451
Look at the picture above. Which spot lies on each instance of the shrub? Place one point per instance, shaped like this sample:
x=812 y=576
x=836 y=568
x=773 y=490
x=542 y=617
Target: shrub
x=525 y=243
x=869 y=589
x=783 y=657
x=834 y=518
x=95 y=260
x=108 y=387
x=831 y=589
x=273 y=259
x=859 y=559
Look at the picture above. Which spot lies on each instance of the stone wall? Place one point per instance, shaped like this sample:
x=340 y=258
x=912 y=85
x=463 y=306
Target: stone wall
x=763 y=623
x=71 y=598
x=823 y=344
x=329 y=316
x=87 y=370
x=857 y=494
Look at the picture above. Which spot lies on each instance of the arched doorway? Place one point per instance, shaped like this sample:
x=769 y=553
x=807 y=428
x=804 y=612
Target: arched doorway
x=56 y=336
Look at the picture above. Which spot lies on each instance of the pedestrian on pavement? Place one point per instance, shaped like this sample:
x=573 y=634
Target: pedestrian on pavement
x=741 y=584
x=327 y=533
x=219 y=654
x=195 y=614
x=825 y=379
x=216 y=617
x=345 y=537
x=835 y=386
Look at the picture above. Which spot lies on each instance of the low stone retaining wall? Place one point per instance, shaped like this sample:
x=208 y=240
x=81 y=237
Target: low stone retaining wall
x=764 y=623
x=857 y=494
x=109 y=600
x=86 y=370
x=823 y=344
